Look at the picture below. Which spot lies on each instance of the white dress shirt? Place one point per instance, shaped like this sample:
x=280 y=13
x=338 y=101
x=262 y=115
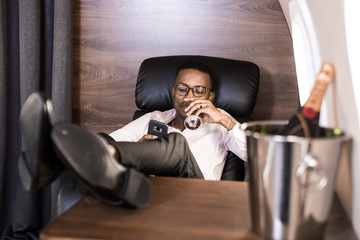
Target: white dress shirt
x=209 y=144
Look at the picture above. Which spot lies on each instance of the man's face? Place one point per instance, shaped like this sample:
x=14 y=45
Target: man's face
x=191 y=78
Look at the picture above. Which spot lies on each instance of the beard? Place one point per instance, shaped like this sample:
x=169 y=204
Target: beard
x=183 y=105
x=180 y=110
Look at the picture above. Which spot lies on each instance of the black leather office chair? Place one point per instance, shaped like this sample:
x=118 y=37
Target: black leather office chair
x=236 y=86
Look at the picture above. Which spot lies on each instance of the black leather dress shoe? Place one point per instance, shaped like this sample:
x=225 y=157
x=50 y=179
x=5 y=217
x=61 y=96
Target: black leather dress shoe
x=38 y=165
x=85 y=154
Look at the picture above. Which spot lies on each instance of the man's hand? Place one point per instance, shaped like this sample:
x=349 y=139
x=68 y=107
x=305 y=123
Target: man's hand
x=147 y=137
x=208 y=112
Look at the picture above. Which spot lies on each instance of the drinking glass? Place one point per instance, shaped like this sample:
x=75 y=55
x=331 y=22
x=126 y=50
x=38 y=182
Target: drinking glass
x=192 y=122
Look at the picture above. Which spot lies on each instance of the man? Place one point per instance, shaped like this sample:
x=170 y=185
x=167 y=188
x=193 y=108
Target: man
x=110 y=169
x=219 y=133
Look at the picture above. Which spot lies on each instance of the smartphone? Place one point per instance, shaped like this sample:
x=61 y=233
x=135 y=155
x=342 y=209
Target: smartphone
x=157 y=128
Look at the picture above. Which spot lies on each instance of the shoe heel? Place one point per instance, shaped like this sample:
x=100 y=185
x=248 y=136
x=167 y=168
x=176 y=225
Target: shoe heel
x=138 y=189
x=26 y=176
x=30 y=178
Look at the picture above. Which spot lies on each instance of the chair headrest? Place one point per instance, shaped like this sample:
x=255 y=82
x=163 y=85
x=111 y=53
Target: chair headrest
x=236 y=83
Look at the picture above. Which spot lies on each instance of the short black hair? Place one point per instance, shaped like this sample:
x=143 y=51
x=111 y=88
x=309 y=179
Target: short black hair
x=200 y=66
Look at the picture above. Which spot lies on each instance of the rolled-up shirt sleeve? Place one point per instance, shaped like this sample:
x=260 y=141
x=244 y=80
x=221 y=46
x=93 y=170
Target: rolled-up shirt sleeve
x=236 y=141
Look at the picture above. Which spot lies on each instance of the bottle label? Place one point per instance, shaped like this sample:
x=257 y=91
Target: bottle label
x=309 y=112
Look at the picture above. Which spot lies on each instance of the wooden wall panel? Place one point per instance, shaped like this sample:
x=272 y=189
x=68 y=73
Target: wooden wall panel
x=113 y=37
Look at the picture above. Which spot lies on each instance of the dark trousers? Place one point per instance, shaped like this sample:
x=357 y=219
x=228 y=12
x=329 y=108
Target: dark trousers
x=166 y=156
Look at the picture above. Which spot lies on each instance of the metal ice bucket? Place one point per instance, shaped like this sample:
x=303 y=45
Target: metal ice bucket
x=291 y=180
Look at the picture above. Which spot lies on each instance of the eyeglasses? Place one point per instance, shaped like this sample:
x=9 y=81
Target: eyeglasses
x=183 y=90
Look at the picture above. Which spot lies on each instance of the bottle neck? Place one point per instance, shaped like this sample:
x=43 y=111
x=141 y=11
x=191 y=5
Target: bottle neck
x=323 y=79
x=316 y=96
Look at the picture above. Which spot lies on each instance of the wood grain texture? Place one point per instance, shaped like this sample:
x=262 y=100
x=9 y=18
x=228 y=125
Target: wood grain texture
x=179 y=209
x=113 y=37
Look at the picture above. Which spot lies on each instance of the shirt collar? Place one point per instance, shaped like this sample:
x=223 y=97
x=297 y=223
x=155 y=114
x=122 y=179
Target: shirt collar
x=166 y=116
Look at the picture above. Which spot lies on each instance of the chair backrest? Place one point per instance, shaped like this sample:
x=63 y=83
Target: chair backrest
x=236 y=86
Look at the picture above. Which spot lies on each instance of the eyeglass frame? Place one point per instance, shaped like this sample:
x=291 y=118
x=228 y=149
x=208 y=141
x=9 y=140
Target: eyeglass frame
x=192 y=89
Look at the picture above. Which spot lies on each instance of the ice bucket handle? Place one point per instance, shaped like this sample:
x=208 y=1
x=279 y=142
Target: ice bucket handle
x=310 y=173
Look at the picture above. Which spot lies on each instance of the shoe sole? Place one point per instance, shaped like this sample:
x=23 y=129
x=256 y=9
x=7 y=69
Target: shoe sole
x=86 y=155
x=38 y=165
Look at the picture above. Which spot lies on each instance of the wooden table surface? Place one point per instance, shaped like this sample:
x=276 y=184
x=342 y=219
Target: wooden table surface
x=179 y=209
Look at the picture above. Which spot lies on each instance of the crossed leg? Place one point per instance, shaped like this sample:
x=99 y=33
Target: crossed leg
x=166 y=156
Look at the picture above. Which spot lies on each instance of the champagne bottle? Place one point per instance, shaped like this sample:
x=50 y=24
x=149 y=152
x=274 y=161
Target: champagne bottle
x=305 y=122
